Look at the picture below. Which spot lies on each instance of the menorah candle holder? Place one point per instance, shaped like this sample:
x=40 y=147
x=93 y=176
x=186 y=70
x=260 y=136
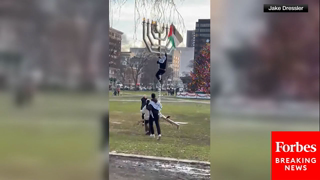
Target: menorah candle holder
x=159 y=37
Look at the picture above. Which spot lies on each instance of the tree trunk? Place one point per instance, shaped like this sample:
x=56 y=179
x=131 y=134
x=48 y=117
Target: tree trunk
x=136 y=81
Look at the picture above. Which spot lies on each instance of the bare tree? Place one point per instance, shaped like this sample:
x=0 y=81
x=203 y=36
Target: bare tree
x=186 y=79
x=137 y=63
x=191 y=64
x=162 y=11
x=123 y=72
x=148 y=74
x=113 y=53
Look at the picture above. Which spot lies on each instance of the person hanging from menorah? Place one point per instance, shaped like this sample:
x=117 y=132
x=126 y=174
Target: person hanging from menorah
x=175 y=38
x=162 y=67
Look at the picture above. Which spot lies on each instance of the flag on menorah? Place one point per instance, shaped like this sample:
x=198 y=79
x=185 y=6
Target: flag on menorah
x=174 y=36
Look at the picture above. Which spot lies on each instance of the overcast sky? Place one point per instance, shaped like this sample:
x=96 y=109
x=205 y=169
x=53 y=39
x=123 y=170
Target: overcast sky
x=123 y=20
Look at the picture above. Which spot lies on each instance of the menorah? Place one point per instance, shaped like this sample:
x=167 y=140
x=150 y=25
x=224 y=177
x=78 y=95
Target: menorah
x=156 y=35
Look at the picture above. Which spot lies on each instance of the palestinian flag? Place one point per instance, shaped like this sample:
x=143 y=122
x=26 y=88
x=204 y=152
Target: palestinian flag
x=174 y=36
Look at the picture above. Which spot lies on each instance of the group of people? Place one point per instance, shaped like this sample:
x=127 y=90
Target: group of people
x=150 y=110
x=116 y=91
x=172 y=92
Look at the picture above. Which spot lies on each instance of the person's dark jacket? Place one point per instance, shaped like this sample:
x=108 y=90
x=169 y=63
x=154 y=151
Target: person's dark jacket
x=143 y=102
x=163 y=62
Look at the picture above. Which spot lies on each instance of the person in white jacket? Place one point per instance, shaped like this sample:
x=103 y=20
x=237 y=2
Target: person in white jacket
x=146 y=116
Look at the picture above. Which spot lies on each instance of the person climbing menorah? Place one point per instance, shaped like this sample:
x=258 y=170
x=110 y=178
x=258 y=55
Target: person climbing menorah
x=162 y=67
x=160 y=34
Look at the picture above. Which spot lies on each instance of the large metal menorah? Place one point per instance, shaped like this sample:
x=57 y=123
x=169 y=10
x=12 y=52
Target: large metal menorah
x=156 y=35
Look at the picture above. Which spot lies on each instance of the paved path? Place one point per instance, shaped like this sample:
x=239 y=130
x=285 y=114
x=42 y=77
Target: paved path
x=125 y=168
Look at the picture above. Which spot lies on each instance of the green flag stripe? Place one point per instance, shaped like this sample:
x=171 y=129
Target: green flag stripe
x=171 y=39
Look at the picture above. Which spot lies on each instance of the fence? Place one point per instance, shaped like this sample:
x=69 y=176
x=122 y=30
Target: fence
x=192 y=95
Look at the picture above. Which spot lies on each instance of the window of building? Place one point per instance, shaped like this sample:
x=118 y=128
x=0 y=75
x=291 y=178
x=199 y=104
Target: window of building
x=205 y=25
x=204 y=30
x=204 y=35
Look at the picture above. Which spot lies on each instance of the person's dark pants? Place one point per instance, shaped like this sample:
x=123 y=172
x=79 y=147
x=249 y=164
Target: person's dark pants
x=146 y=128
x=156 y=121
x=146 y=123
x=160 y=73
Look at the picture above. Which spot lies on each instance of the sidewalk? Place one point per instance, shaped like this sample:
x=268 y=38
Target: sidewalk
x=135 y=167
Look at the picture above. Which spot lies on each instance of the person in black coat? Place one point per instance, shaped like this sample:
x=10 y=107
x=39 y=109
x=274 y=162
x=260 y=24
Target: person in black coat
x=154 y=107
x=146 y=117
x=162 y=67
x=143 y=103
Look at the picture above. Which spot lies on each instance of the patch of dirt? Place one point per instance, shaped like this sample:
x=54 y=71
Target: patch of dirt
x=125 y=168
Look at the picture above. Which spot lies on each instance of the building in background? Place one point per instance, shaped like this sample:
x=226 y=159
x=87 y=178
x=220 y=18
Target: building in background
x=125 y=56
x=175 y=65
x=115 y=47
x=125 y=73
x=114 y=53
x=186 y=56
x=202 y=35
x=191 y=38
x=138 y=50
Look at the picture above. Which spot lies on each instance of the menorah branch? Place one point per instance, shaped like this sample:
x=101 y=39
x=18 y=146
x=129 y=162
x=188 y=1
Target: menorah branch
x=156 y=47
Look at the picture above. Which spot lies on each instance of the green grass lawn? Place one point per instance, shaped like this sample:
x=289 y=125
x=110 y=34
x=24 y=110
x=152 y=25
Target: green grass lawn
x=54 y=138
x=192 y=141
x=57 y=137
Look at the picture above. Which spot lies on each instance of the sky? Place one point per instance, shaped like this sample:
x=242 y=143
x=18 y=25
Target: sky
x=122 y=19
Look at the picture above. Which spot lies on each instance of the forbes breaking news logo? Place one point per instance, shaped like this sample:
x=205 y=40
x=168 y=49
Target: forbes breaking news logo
x=295 y=155
x=281 y=147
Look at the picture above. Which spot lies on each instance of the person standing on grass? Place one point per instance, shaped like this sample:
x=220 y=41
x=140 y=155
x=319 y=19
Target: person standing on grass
x=145 y=116
x=115 y=92
x=143 y=104
x=118 y=91
x=154 y=108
